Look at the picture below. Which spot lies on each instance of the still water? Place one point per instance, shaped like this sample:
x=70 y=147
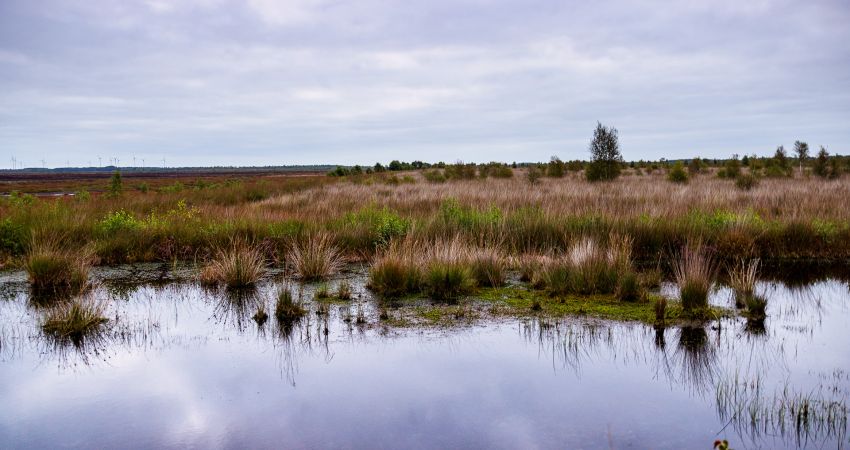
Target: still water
x=182 y=366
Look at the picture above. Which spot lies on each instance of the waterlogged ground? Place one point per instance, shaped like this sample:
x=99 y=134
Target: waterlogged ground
x=181 y=366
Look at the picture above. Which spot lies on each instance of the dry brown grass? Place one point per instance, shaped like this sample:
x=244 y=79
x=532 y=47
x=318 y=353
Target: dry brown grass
x=628 y=197
x=238 y=265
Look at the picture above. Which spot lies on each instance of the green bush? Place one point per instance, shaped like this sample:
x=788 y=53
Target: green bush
x=746 y=182
x=118 y=221
x=677 y=173
x=13 y=237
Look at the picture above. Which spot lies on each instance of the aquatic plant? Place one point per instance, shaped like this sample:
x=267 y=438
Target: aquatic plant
x=53 y=268
x=316 y=257
x=236 y=266
x=74 y=319
x=694 y=271
x=287 y=309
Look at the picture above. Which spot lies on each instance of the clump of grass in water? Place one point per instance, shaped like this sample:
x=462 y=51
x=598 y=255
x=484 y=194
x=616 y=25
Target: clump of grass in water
x=396 y=272
x=316 y=257
x=287 y=309
x=75 y=319
x=51 y=268
x=343 y=290
x=236 y=266
x=323 y=291
x=742 y=280
x=694 y=271
x=587 y=269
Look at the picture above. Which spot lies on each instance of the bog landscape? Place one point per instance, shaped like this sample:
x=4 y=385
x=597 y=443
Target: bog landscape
x=442 y=224
x=712 y=290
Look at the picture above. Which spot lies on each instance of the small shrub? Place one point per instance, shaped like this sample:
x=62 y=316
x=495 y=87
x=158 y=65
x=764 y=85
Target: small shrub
x=287 y=309
x=746 y=182
x=677 y=173
x=13 y=237
x=434 y=176
x=533 y=174
x=118 y=221
x=316 y=258
x=446 y=280
x=74 y=319
x=239 y=265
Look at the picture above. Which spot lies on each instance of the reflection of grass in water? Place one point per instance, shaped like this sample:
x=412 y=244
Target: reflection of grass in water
x=696 y=357
x=819 y=415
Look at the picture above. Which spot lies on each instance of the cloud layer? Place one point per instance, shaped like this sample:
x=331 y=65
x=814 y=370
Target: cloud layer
x=217 y=82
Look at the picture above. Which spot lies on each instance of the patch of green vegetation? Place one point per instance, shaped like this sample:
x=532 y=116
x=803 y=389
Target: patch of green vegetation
x=520 y=300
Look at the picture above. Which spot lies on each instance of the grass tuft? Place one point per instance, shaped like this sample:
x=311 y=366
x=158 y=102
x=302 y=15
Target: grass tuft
x=236 y=266
x=52 y=268
x=287 y=309
x=694 y=271
x=74 y=319
x=316 y=257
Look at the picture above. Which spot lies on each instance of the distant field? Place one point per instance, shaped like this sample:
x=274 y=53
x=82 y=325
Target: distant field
x=96 y=181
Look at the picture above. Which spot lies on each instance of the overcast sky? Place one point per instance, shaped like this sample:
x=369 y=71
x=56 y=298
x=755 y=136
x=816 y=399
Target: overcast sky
x=264 y=82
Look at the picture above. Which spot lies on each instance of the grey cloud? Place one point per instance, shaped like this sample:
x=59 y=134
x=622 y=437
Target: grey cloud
x=204 y=82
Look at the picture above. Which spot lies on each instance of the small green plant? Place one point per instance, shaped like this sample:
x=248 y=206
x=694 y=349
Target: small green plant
x=287 y=309
x=323 y=292
x=533 y=174
x=118 y=221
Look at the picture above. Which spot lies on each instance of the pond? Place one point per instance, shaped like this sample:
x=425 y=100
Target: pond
x=183 y=366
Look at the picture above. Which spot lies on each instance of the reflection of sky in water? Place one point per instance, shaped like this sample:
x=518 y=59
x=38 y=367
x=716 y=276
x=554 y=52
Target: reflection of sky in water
x=186 y=367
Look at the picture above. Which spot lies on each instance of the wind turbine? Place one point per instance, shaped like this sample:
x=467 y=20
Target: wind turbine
x=99 y=161
x=14 y=162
